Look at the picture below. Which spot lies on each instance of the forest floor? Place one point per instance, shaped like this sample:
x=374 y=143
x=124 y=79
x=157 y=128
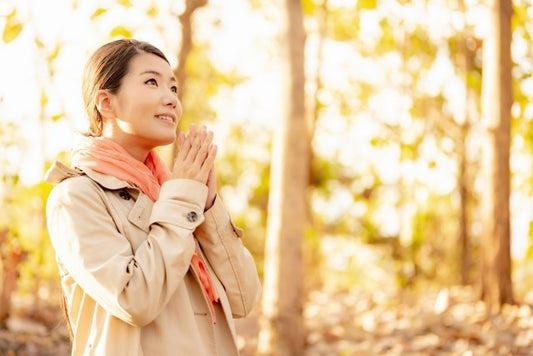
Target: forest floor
x=446 y=322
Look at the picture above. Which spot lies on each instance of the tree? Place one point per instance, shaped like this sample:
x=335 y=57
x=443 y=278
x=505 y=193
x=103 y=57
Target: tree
x=169 y=152
x=282 y=331
x=186 y=40
x=496 y=286
x=10 y=258
x=465 y=58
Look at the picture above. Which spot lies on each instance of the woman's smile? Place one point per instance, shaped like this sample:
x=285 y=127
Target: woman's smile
x=167 y=118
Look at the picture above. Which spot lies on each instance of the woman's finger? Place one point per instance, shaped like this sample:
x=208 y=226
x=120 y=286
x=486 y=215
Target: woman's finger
x=203 y=132
x=209 y=161
x=192 y=134
x=204 y=148
x=195 y=153
x=182 y=149
x=194 y=146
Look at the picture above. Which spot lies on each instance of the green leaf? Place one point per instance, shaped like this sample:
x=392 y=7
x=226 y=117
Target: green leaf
x=13 y=27
x=121 y=31
x=100 y=11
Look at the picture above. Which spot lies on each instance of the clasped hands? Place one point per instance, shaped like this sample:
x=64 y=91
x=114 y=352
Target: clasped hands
x=195 y=160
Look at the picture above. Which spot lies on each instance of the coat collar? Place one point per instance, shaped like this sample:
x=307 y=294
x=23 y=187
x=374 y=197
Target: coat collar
x=59 y=172
x=141 y=211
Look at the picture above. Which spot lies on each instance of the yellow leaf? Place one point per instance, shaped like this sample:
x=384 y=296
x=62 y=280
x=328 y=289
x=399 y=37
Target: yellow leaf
x=53 y=55
x=152 y=11
x=39 y=43
x=367 y=4
x=125 y=3
x=121 y=31
x=100 y=11
x=44 y=99
x=57 y=117
x=13 y=27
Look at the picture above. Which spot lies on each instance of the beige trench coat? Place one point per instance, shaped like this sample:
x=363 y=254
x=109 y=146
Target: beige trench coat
x=124 y=266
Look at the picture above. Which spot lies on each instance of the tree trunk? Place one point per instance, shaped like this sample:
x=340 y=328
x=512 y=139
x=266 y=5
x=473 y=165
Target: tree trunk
x=169 y=152
x=11 y=257
x=186 y=41
x=463 y=238
x=311 y=247
x=5 y=299
x=463 y=182
x=496 y=285
x=282 y=330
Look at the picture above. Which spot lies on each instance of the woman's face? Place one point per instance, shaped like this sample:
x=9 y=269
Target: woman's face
x=146 y=106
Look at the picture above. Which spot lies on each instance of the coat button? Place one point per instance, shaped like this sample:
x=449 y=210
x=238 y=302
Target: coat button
x=124 y=195
x=192 y=216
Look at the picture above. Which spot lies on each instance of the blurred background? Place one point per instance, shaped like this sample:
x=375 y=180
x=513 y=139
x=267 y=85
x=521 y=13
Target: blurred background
x=378 y=154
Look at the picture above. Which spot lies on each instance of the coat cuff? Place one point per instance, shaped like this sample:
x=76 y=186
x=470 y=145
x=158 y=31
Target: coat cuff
x=217 y=221
x=181 y=202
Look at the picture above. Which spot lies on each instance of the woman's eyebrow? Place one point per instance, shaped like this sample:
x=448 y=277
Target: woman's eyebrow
x=156 y=73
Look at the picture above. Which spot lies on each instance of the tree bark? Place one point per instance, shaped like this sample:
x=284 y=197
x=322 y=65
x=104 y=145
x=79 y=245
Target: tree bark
x=282 y=330
x=463 y=238
x=463 y=182
x=313 y=255
x=11 y=257
x=186 y=41
x=496 y=285
x=169 y=152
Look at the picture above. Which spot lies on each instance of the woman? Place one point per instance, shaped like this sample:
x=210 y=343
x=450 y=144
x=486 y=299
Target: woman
x=150 y=261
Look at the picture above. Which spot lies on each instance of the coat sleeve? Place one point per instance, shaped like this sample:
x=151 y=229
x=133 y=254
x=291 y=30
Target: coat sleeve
x=233 y=264
x=131 y=285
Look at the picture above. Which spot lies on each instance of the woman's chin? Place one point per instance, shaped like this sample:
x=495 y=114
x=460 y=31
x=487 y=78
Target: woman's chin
x=163 y=137
x=167 y=140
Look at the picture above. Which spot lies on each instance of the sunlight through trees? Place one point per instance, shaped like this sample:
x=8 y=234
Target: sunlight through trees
x=377 y=153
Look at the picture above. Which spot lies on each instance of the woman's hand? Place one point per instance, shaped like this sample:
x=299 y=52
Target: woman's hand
x=212 y=189
x=195 y=160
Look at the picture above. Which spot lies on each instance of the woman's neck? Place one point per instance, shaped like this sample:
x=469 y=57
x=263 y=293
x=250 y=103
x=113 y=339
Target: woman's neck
x=130 y=143
x=136 y=151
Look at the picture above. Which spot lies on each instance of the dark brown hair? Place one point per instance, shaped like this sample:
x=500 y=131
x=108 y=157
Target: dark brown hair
x=105 y=70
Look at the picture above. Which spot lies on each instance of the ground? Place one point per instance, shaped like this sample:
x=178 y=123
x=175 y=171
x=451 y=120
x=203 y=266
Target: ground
x=446 y=322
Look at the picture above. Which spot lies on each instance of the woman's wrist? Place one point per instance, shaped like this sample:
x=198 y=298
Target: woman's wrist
x=210 y=202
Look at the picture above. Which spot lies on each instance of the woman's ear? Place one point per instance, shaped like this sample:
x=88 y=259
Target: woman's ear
x=103 y=104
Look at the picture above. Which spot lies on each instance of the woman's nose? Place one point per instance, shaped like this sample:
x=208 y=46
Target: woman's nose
x=171 y=99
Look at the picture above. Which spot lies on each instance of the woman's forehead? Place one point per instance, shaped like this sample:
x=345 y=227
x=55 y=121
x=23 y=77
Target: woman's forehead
x=150 y=63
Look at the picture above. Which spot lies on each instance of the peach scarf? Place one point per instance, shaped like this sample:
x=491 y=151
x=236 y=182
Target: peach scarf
x=105 y=156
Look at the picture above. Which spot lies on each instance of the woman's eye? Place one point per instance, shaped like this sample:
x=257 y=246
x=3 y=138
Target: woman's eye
x=151 y=81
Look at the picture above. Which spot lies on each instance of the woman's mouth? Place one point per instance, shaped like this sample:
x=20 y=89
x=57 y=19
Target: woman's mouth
x=167 y=118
